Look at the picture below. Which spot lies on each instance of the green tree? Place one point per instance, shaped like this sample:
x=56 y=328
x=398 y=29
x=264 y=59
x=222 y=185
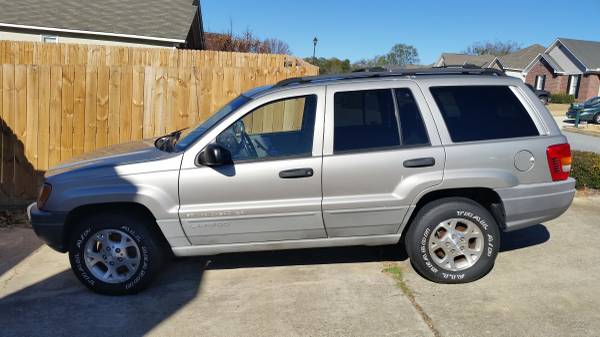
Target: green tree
x=330 y=65
x=399 y=56
x=402 y=54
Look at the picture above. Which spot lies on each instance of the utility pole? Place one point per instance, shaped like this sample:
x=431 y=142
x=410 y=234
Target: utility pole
x=315 y=41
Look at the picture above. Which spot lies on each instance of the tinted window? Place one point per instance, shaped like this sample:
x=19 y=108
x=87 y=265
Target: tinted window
x=278 y=129
x=483 y=112
x=412 y=129
x=364 y=120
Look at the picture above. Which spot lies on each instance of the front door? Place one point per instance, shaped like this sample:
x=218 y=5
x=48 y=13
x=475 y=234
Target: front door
x=378 y=155
x=272 y=191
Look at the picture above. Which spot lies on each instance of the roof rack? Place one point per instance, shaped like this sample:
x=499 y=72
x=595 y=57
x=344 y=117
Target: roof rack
x=445 y=70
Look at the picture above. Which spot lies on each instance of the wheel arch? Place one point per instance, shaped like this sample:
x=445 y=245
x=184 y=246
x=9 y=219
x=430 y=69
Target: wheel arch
x=133 y=208
x=486 y=197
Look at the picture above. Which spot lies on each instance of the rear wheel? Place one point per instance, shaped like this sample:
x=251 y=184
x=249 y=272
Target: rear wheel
x=453 y=240
x=545 y=99
x=115 y=254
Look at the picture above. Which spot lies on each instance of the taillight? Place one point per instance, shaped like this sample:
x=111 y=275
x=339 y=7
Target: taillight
x=559 y=161
x=44 y=195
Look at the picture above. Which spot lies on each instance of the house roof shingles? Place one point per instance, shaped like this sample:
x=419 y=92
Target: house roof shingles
x=587 y=52
x=521 y=58
x=461 y=59
x=148 y=18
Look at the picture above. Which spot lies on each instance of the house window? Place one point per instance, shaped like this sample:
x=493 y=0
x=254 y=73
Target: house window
x=50 y=38
x=540 y=82
x=574 y=85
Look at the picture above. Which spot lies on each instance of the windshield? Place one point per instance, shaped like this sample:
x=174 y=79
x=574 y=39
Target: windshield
x=592 y=101
x=190 y=135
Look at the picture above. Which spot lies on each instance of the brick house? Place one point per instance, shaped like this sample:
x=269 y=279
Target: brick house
x=567 y=66
x=515 y=63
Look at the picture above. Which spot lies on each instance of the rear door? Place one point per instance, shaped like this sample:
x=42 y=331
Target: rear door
x=381 y=149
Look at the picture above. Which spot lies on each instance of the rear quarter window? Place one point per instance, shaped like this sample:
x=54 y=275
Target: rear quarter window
x=473 y=113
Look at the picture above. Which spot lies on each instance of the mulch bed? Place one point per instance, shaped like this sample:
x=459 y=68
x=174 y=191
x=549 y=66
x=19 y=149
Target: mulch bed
x=13 y=218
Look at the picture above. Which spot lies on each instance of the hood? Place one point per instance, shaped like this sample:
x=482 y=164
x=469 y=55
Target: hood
x=128 y=153
x=575 y=106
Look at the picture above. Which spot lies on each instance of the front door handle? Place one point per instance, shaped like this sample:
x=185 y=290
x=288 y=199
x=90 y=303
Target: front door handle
x=296 y=173
x=419 y=162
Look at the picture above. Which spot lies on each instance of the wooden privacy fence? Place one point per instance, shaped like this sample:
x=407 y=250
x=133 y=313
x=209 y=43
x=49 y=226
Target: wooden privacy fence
x=59 y=101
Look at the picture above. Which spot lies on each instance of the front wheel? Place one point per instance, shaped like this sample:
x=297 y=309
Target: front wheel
x=114 y=254
x=453 y=240
x=597 y=118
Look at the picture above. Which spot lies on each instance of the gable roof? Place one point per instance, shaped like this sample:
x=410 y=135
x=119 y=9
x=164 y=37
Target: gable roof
x=462 y=59
x=521 y=58
x=587 y=52
x=148 y=19
x=546 y=59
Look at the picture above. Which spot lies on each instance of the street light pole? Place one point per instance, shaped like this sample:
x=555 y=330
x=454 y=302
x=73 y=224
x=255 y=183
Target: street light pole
x=315 y=41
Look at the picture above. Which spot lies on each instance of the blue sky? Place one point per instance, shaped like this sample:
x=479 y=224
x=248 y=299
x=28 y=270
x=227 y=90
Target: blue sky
x=361 y=29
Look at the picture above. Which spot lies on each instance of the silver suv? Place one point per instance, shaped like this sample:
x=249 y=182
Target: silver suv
x=443 y=159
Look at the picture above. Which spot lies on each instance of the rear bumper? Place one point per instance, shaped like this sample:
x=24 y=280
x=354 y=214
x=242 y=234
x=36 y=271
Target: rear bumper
x=528 y=205
x=48 y=226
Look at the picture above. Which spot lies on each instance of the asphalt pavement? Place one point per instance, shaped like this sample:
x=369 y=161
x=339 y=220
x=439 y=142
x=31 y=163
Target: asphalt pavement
x=579 y=141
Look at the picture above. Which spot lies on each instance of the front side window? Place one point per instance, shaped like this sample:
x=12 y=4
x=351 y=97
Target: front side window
x=475 y=113
x=278 y=129
x=189 y=136
x=364 y=120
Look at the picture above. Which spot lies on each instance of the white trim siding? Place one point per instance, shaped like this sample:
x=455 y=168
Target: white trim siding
x=86 y=32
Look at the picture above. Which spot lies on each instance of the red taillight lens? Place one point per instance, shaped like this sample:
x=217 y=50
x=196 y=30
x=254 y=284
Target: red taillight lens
x=44 y=195
x=559 y=161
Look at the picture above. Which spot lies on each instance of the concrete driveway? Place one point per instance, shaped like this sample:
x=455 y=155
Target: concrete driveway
x=545 y=283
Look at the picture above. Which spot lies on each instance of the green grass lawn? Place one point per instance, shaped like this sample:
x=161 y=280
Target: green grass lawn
x=586 y=169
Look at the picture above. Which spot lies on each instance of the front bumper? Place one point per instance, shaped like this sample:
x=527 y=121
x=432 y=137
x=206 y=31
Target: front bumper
x=48 y=226
x=531 y=204
x=582 y=116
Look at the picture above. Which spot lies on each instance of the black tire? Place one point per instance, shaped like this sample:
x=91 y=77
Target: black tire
x=597 y=118
x=149 y=244
x=418 y=239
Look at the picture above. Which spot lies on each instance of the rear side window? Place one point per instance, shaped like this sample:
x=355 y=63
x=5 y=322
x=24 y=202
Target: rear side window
x=364 y=120
x=411 y=123
x=476 y=113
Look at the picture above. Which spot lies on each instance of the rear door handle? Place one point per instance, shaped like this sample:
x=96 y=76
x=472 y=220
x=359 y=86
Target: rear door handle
x=419 y=162
x=296 y=173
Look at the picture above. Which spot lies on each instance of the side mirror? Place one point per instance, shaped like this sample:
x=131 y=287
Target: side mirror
x=214 y=155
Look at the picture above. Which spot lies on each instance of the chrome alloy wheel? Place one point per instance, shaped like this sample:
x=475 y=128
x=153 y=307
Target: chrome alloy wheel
x=112 y=256
x=456 y=244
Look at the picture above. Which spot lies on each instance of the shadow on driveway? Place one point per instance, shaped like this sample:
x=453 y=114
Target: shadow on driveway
x=523 y=238
x=16 y=244
x=60 y=305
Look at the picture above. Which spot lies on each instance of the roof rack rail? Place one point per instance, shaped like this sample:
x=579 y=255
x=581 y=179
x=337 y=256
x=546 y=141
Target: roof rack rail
x=445 y=70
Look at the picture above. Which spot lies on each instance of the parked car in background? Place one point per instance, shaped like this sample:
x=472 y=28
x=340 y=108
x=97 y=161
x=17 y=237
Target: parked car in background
x=589 y=111
x=543 y=95
x=443 y=159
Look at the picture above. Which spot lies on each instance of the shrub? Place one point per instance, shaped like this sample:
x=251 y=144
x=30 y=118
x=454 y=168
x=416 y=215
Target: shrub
x=586 y=169
x=562 y=98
